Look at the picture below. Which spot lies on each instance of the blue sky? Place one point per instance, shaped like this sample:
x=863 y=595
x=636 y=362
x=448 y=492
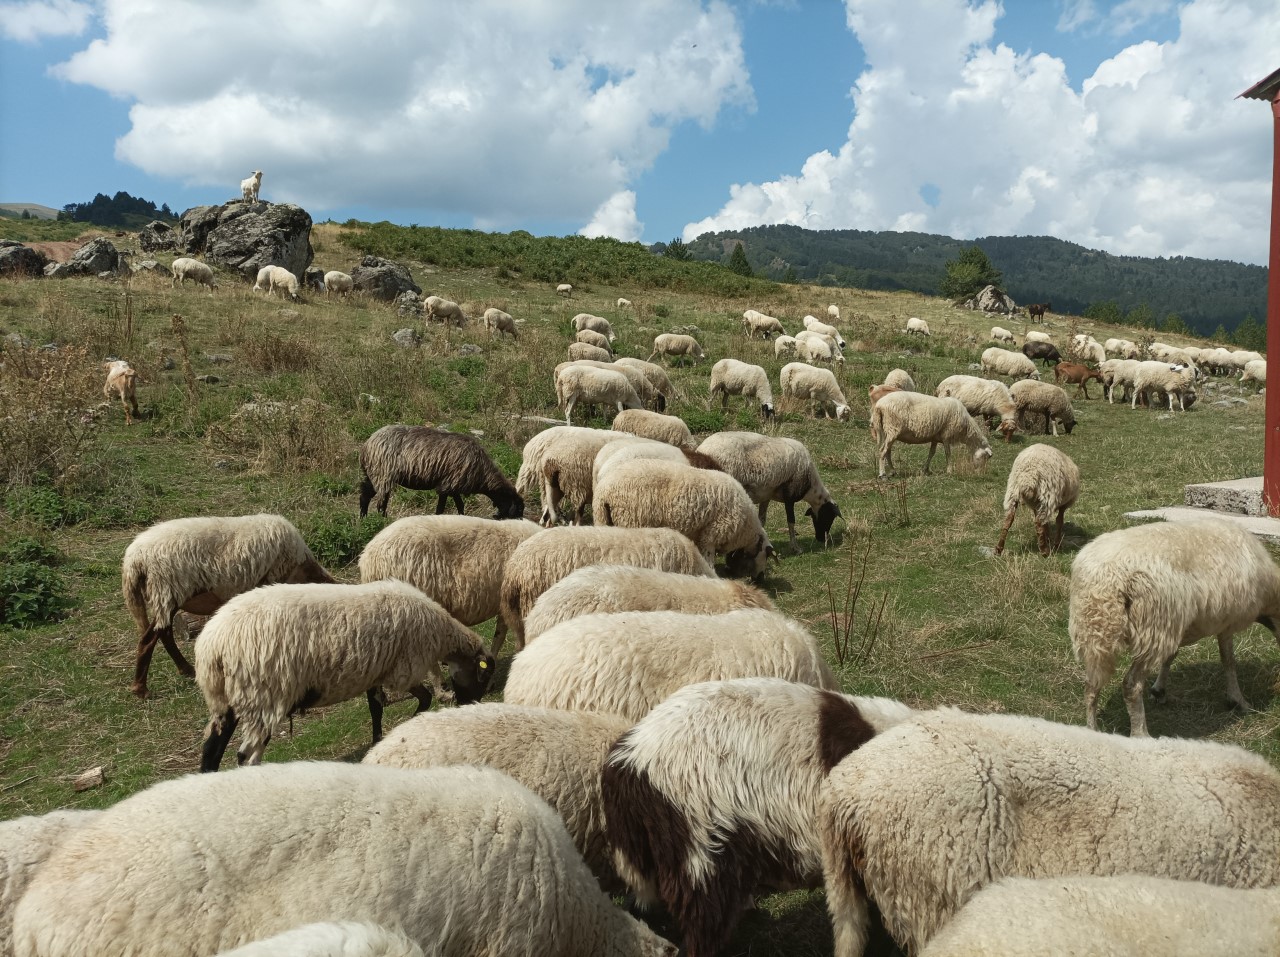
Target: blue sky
x=1111 y=124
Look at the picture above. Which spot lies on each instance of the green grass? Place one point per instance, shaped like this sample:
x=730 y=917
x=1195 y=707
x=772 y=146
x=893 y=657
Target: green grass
x=958 y=626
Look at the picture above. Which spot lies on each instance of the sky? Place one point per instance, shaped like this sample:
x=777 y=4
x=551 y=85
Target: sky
x=1109 y=123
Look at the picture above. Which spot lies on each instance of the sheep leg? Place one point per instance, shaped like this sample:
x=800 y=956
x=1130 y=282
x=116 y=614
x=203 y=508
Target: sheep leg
x=1004 y=529
x=424 y=695
x=1057 y=543
x=366 y=496
x=791 y=525
x=568 y=409
x=1162 y=679
x=377 y=700
x=1042 y=534
x=1133 y=681
x=217 y=737
x=128 y=416
x=146 y=645
x=933 y=447
x=457 y=500
x=1227 y=652
x=166 y=637
x=499 y=636
x=441 y=501
x=1048 y=417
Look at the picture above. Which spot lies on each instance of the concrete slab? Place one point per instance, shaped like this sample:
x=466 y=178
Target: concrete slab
x=1267 y=529
x=1237 y=495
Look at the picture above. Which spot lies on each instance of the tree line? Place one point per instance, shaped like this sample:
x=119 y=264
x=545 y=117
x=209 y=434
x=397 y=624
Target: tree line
x=120 y=210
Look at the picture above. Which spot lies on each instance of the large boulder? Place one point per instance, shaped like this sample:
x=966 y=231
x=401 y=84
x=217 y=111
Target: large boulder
x=244 y=237
x=990 y=299
x=94 y=258
x=195 y=225
x=383 y=278
x=19 y=260
x=157 y=236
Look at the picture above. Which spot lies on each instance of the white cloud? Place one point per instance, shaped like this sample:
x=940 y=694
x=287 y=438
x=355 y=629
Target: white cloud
x=1121 y=19
x=504 y=110
x=29 y=20
x=616 y=217
x=1152 y=156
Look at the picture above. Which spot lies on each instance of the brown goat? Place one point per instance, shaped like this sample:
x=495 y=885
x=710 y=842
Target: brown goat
x=1074 y=372
x=1036 y=310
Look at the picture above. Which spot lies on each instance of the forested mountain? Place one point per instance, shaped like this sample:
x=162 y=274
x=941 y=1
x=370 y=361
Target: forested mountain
x=118 y=210
x=1205 y=293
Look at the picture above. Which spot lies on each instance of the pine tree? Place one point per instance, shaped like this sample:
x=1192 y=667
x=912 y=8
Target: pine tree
x=1220 y=334
x=790 y=275
x=1250 y=334
x=676 y=249
x=968 y=274
x=738 y=261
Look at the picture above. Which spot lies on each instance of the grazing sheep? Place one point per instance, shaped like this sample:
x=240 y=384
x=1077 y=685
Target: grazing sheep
x=784 y=346
x=1074 y=372
x=346 y=938
x=25 y=844
x=1162 y=377
x=206 y=862
x=915 y=419
x=1156 y=588
x=122 y=380
x=833 y=313
x=624 y=303
x=637 y=447
x=249 y=187
x=799 y=380
x=271 y=278
x=900 y=379
x=585 y=320
x=917 y=326
x=600 y=589
x=626 y=663
x=1000 y=334
x=816 y=349
x=710 y=507
x=559 y=461
x=713 y=795
x=1047 y=399
x=1118 y=372
x=814 y=324
x=456 y=560
x=421 y=457
x=731 y=377
x=498 y=322
x=444 y=310
x=1122 y=916
x=1035 y=335
x=758 y=323
x=988 y=398
x=556 y=754
x=285 y=648
x=1045 y=352
x=1036 y=310
x=564 y=289
x=585 y=350
x=670 y=429
x=1015 y=365
x=193 y=269
x=659 y=381
x=647 y=386
x=541 y=561
x=826 y=344
x=593 y=338
x=1046 y=481
x=1086 y=348
x=336 y=281
x=922 y=816
x=196 y=564
x=1255 y=370
x=676 y=346
x=593 y=386
x=776 y=469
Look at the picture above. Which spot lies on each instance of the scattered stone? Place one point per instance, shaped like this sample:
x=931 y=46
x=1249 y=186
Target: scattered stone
x=972 y=365
x=407 y=338
x=157 y=236
x=470 y=349
x=1222 y=404
x=150 y=265
x=208 y=379
x=409 y=304
x=689 y=330
x=217 y=358
x=18 y=340
x=290 y=314
x=94 y=777
x=986 y=551
x=167 y=364
x=49 y=347
x=383 y=279
x=313 y=278
x=19 y=260
x=478 y=433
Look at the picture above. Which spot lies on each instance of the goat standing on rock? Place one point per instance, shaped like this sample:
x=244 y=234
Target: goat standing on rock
x=249 y=187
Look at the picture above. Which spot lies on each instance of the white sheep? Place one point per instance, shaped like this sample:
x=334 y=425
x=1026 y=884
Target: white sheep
x=186 y=268
x=585 y=320
x=1156 y=588
x=1012 y=364
x=814 y=324
x=922 y=816
x=498 y=322
x=713 y=795
x=833 y=313
x=915 y=418
x=1122 y=916
x=1086 y=348
x=249 y=187
x=600 y=589
x=564 y=289
x=344 y=938
x=799 y=380
x=592 y=386
x=626 y=663
x=545 y=559
x=122 y=381
x=456 y=560
x=337 y=281
x=1001 y=334
x=196 y=564
x=732 y=377
x=1255 y=370
x=585 y=350
x=556 y=754
x=284 y=648
x=1035 y=335
x=444 y=310
x=593 y=338
x=658 y=380
x=758 y=323
x=711 y=508
x=1047 y=399
x=1169 y=379
x=637 y=447
x=900 y=379
x=559 y=462
x=918 y=326
x=25 y=844
x=207 y=862
x=670 y=429
x=1118 y=372
x=271 y=278
x=649 y=388
x=624 y=303
x=986 y=398
x=1047 y=482
x=676 y=346
x=784 y=346
x=816 y=348
x=776 y=469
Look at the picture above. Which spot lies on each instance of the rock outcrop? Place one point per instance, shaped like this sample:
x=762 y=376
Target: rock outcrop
x=383 y=278
x=19 y=260
x=243 y=237
x=990 y=299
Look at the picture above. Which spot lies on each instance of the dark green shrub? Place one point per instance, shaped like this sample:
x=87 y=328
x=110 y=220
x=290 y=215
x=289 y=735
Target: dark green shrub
x=32 y=592
x=337 y=540
x=45 y=506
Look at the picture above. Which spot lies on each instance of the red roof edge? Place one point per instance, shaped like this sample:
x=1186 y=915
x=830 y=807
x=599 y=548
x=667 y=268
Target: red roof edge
x=1264 y=89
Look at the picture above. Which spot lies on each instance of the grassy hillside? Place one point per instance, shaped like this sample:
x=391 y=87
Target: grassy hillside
x=931 y=618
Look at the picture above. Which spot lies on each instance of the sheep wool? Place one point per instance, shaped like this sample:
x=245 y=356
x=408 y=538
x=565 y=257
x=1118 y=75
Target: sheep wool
x=732 y=377
x=593 y=338
x=918 y=326
x=498 y=322
x=1255 y=370
x=585 y=320
x=1162 y=377
x=987 y=398
x=1048 y=483
x=626 y=663
x=676 y=346
x=209 y=862
x=657 y=378
x=1156 y=588
x=196 y=564
x=632 y=448
x=271 y=278
x=784 y=346
x=122 y=381
x=282 y=648
x=900 y=379
x=555 y=754
x=1015 y=365
x=185 y=268
x=541 y=561
x=990 y=796
x=346 y=938
x=1001 y=334
x=814 y=324
x=670 y=429
x=652 y=394
x=799 y=380
x=456 y=560
x=915 y=418
x=599 y=589
x=25 y=844
x=1044 y=398
x=559 y=462
x=337 y=281
x=593 y=386
x=1123 y=916
x=713 y=795
x=757 y=323
x=585 y=350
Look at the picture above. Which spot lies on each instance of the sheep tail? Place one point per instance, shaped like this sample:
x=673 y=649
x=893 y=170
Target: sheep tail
x=135 y=593
x=877 y=417
x=606 y=514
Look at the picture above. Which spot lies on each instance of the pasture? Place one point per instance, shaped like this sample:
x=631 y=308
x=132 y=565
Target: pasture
x=909 y=603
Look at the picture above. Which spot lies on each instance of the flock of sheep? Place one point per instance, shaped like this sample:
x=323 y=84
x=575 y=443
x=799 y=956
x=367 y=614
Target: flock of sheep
x=664 y=732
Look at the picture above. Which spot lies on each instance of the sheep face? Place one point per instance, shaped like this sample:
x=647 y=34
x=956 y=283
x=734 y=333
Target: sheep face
x=843 y=413
x=766 y=410
x=823 y=519
x=512 y=507
x=981 y=456
x=470 y=676
x=750 y=562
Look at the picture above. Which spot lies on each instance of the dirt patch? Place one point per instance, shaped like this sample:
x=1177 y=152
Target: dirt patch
x=63 y=250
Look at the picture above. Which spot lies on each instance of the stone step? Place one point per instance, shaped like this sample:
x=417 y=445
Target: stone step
x=1238 y=495
x=1267 y=529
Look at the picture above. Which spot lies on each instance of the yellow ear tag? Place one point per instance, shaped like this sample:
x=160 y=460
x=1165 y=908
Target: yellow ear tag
x=483 y=665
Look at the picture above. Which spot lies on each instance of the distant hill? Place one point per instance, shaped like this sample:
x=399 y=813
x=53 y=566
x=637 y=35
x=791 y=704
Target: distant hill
x=120 y=211
x=35 y=209
x=1205 y=293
